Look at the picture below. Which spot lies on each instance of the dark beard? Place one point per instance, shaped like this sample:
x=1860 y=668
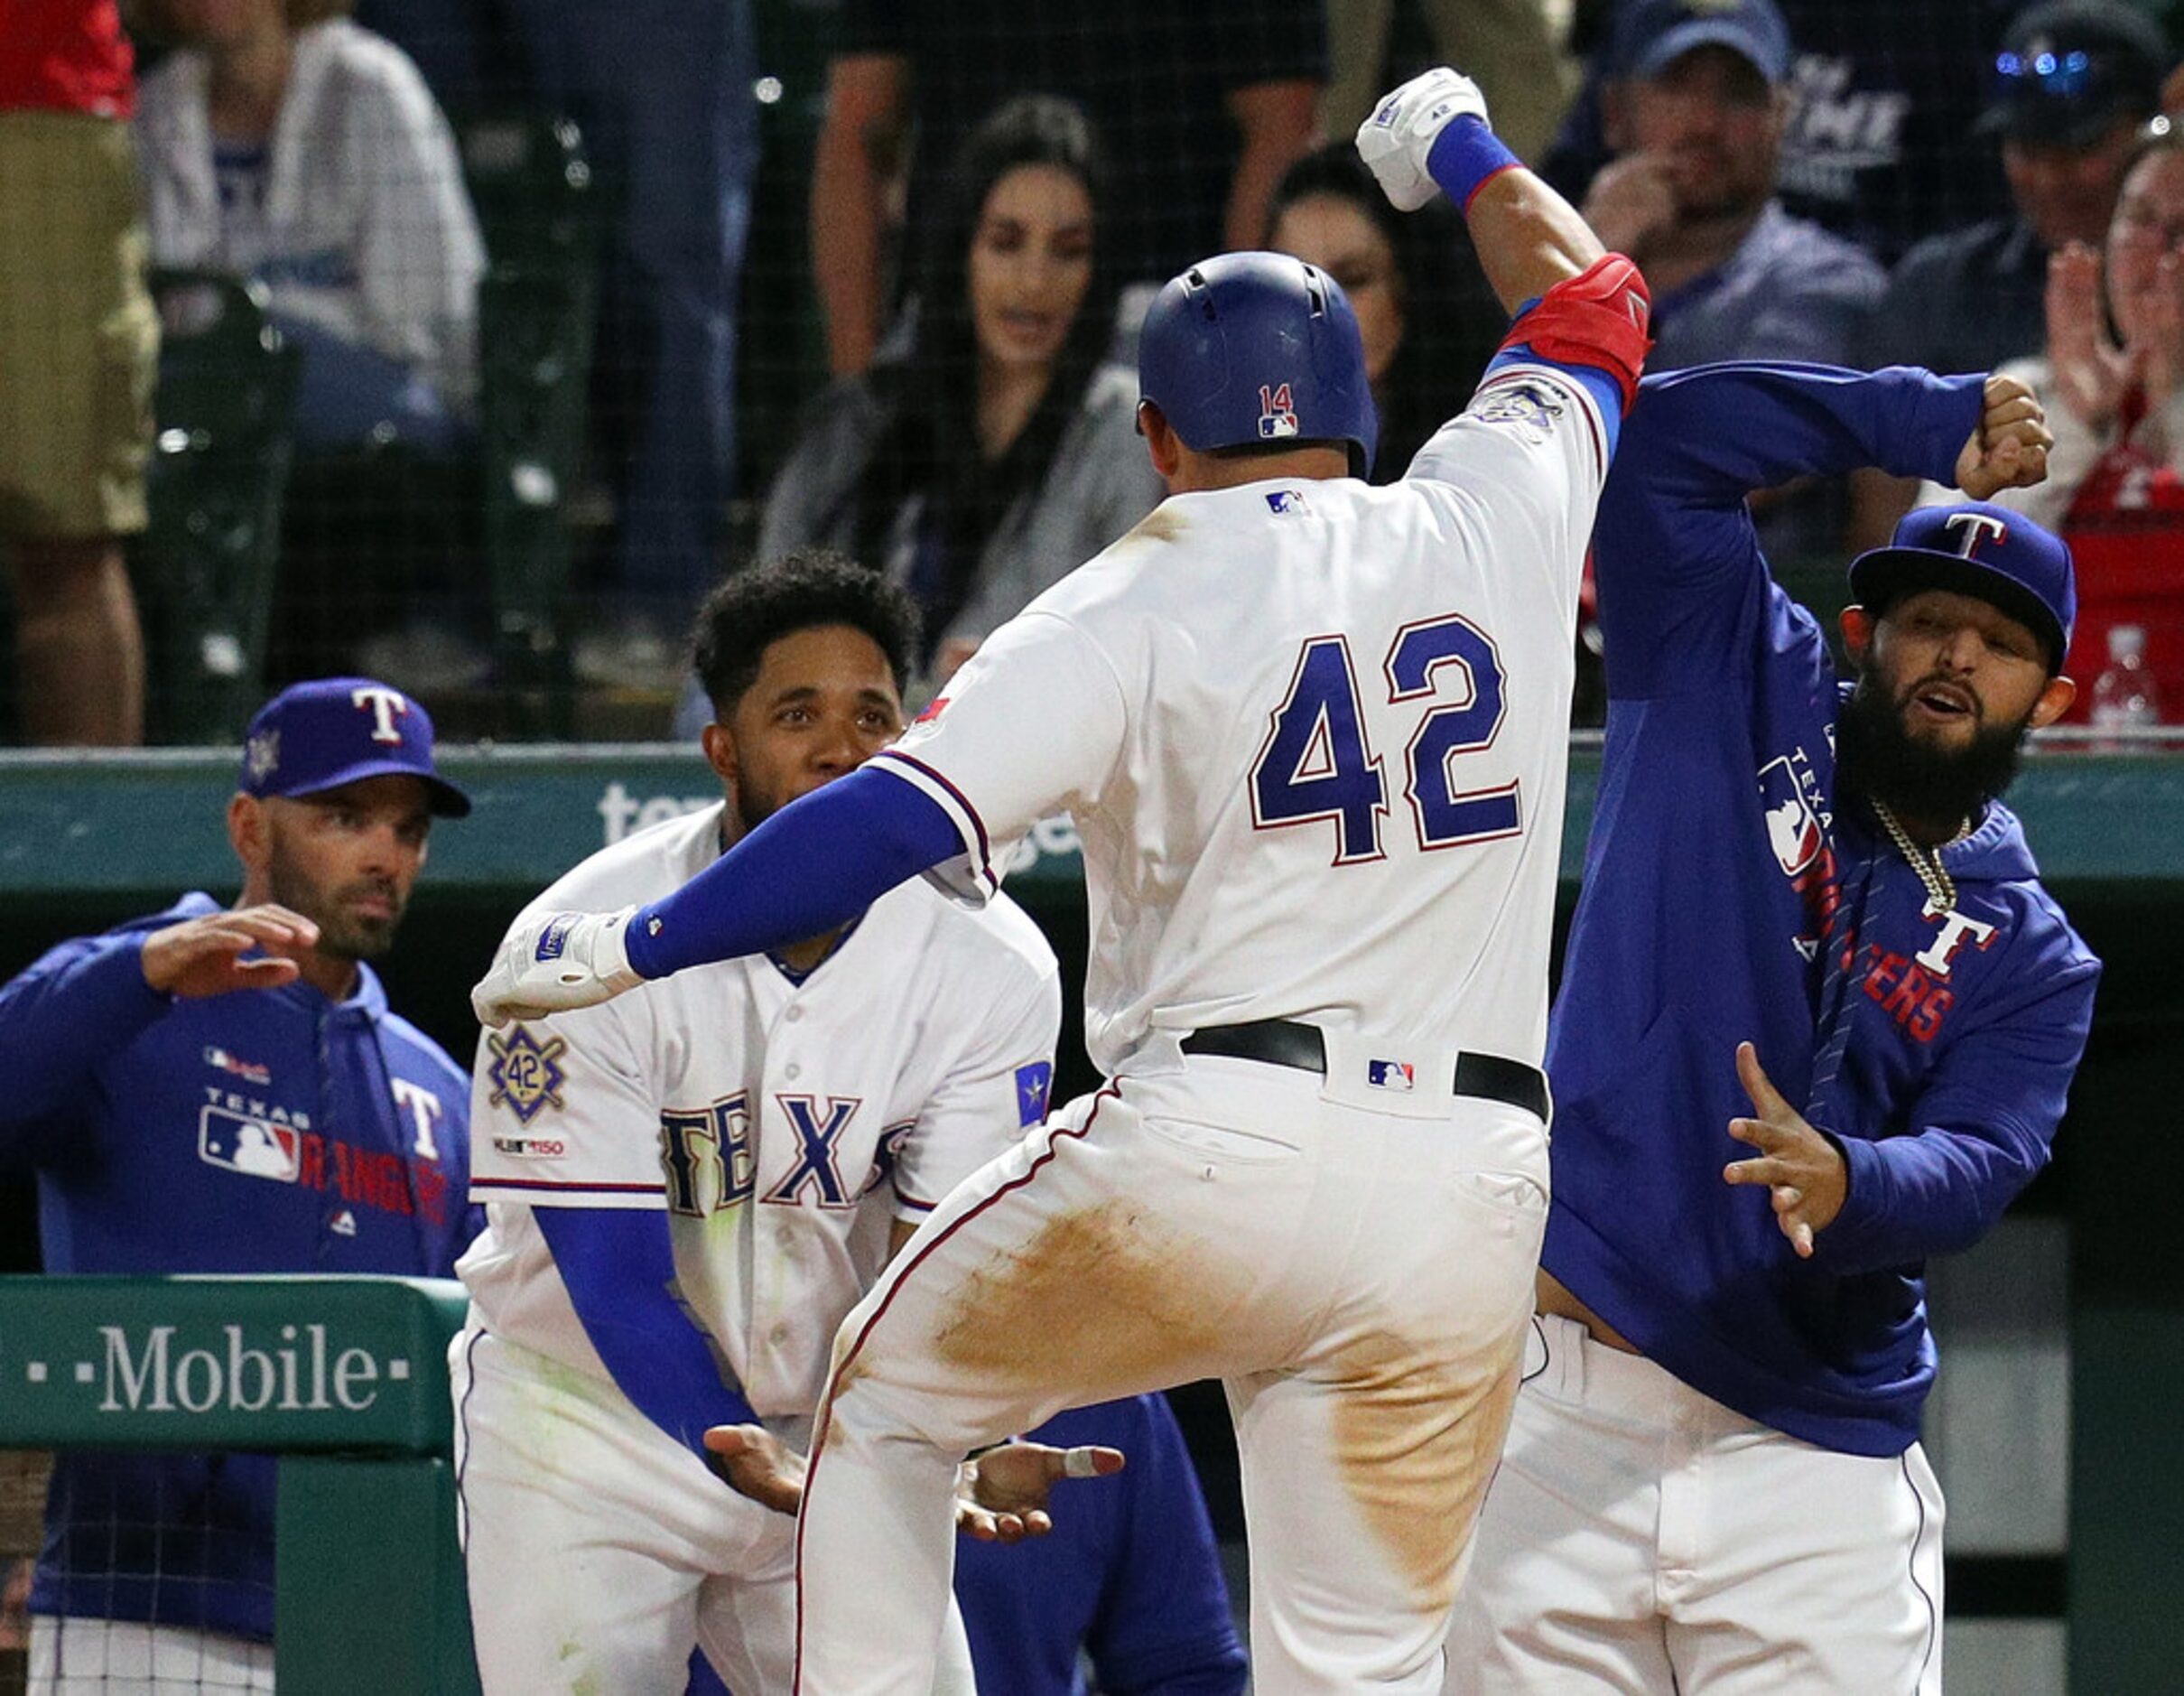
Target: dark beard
x=1878 y=759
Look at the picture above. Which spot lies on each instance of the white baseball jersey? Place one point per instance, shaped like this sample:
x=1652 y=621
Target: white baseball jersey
x=778 y=1120
x=1259 y=682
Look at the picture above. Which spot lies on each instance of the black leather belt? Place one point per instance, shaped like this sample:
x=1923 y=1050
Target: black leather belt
x=1281 y=1042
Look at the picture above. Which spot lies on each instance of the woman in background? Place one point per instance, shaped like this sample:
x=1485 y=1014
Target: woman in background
x=999 y=451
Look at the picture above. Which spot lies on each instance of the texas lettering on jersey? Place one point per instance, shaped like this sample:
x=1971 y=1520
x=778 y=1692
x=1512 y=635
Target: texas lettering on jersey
x=259 y=1139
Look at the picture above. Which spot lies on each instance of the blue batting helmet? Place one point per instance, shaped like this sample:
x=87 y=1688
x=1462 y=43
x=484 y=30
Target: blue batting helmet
x=1258 y=346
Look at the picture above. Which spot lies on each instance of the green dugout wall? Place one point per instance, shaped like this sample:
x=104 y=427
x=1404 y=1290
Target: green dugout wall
x=86 y=839
x=345 y=1378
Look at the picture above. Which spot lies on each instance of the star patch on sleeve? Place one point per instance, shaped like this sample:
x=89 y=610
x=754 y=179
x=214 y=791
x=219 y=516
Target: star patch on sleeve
x=1033 y=1081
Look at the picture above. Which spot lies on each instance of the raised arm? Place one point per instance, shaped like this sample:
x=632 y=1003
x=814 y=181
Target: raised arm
x=1431 y=136
x=1675 y=554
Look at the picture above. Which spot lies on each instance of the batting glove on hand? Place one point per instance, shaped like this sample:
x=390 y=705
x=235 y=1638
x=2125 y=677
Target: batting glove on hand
x=554 y=962
x=1397 y=138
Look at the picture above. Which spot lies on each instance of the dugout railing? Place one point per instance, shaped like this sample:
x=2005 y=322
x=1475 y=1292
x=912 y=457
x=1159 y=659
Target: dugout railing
x=344 y=1378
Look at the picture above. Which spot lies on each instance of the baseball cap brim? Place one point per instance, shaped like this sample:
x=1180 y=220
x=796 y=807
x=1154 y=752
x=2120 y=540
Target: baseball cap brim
x=2055 y=124
x=1883 y=575
x=445 y=800
x=1672 y=44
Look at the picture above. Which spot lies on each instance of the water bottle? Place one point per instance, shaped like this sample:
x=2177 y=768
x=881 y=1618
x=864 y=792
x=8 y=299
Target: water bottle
x=2124 y=694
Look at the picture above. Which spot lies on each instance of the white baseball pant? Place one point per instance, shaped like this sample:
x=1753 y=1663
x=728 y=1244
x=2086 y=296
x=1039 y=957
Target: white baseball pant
x=1360 y=1277
x=75 y=1656
x=598 y=1550
x=1641 y=1537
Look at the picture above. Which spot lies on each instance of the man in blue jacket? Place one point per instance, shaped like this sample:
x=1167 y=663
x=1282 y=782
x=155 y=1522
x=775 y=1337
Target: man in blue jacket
x=214 y=1089
x=1817 y=1022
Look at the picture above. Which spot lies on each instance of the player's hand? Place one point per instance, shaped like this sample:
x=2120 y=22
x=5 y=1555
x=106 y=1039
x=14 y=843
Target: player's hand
x=553 y=963
x=2091 y=372
x=754 y=1462
x=1396 y=140
x=1001 y=1495
x=1631 y=203
x=204 y=956
x=2008 y=449
x=1803 y=1171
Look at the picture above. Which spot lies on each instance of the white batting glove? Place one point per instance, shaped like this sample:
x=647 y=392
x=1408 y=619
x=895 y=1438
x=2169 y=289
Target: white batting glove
x=554 y=962
x=1401 y=133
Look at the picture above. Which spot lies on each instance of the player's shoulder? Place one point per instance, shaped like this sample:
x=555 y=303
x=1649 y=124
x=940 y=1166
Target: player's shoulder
x=643 y=866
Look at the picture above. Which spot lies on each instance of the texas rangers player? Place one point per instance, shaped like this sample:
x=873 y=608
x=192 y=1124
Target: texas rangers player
x=1713 y=1481
x=224 y=1090
x=1318 y=1168
x=689 y=1187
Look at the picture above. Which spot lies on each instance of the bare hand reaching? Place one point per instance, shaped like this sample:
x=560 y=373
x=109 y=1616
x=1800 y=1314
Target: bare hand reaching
x=1000 y=1497
x=2009 y=447
x=1803 y=1172
x=204 y=956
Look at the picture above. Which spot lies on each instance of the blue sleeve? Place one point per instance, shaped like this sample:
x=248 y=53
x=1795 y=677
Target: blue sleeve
x=810 y=869
x=63 y=1018
x=618 y=1267
x=1981 y=1131
x=1603 y=389
x=1164 y=1627
x=1675 y=555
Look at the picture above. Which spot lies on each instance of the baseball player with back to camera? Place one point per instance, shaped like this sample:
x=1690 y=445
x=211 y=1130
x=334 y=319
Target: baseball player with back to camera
x=225 y=1090
x=1816 y=1023
x=687 y=1188
x=1313 y=735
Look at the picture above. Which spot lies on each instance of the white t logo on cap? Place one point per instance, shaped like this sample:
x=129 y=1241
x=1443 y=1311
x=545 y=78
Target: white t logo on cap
x=1978 y=526
x=386 y=704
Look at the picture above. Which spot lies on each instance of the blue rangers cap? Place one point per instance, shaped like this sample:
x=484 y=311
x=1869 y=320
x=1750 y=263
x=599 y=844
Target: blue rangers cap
x=1977 y=549
x=319 y=735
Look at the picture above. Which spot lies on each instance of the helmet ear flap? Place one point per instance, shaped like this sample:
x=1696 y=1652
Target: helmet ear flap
x=1247 y=348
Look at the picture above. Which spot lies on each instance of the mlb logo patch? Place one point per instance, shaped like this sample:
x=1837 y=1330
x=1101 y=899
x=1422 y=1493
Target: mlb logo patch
x=934 y=708
x=1396 y=1075
x=1286 y=502
x=1792 y=831
x=236 y=1142
x=1033 y=1083
x=1276 y=412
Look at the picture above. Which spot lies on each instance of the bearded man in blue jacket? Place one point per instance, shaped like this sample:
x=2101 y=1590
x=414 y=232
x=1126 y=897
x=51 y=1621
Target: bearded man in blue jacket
x=1816 y=1023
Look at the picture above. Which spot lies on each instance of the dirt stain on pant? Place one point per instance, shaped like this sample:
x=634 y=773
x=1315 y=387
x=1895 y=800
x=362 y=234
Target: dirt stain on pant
x=1417 y=1438
x=1099 y=1297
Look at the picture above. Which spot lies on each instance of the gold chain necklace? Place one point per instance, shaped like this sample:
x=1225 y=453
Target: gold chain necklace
x=1941 y=890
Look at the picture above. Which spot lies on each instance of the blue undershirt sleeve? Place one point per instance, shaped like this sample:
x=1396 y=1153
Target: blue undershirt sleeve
x=1606 y=391
x=810 y=869
x=618 y=1268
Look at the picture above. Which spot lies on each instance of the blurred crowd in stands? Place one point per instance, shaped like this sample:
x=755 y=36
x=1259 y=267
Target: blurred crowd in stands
x=467 y=342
